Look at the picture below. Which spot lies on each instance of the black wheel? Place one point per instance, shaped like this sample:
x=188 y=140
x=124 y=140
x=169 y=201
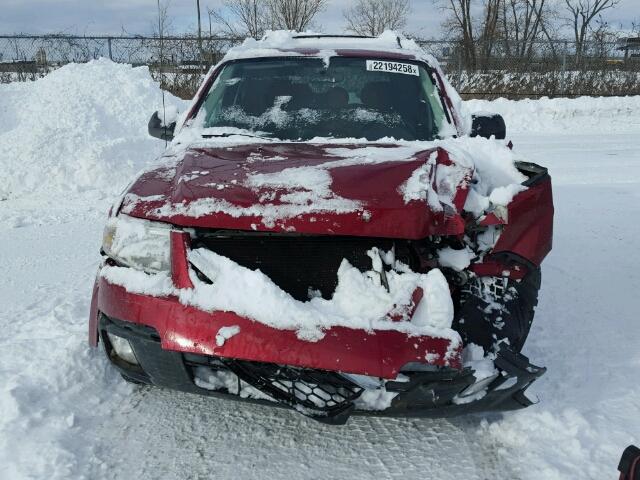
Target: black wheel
x=493 y=310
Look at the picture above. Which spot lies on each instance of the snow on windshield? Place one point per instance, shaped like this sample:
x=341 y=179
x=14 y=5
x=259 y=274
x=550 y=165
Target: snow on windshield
x=298 y=98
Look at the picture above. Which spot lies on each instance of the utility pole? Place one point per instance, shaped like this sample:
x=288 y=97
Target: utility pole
x=200 y=36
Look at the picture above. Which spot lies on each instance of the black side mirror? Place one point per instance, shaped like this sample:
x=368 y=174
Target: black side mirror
x=628 y=466
x=488 y=125
x=157 y=130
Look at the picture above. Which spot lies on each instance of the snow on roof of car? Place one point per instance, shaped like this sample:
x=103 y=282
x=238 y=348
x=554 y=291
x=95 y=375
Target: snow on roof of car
x=284 y=42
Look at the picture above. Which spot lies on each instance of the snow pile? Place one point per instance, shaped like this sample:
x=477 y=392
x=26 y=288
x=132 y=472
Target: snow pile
x=496 y=180
x=82 y=127
x=375 y=399
x=584 y=115
x=486 y=167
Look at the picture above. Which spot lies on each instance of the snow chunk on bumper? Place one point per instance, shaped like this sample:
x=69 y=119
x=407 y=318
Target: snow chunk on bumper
x=360 y=301
x=436 y=308
x=455 y=259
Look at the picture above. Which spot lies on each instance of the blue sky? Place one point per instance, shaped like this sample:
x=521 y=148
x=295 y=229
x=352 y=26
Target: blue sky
x=137 y=16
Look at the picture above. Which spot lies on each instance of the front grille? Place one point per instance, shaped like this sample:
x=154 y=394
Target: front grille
x=316 y=393
x=322 y=395
x=300 y=264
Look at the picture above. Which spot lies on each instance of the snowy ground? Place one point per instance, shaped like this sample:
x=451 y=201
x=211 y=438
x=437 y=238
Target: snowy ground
x=65 y=414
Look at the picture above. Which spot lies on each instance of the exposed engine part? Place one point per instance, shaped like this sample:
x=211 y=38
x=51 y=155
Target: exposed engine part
x=497 y=309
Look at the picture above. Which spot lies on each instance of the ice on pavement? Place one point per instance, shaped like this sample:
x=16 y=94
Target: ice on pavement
x=64 y=412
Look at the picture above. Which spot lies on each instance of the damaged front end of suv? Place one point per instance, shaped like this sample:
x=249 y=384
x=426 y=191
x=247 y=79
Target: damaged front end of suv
x=317 y=238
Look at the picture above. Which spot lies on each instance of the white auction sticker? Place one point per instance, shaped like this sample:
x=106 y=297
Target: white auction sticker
x=394 y=67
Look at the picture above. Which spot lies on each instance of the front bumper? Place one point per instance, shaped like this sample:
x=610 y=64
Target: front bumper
x=181 y=328
x=426 y=394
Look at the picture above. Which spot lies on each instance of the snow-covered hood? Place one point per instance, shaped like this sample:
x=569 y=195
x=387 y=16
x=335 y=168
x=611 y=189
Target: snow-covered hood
x=382 y=190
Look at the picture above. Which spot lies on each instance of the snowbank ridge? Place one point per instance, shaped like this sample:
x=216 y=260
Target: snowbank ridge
x=591 y=115
x=82 y=127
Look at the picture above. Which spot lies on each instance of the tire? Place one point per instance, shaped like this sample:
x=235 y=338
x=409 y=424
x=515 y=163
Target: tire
x=494 y=310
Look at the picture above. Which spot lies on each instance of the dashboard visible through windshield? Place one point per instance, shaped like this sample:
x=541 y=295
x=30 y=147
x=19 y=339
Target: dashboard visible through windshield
x=296 y=98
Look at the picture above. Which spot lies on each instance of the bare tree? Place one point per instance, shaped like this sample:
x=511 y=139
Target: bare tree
x=243 y=18
x=460 y=23
x=476 y=36
x=161 y=29
x=581 y=16
x=372 y=17
x=603 y=39
x=294 y=14
x=163 y=23
x=490 y=30
x=523 y=23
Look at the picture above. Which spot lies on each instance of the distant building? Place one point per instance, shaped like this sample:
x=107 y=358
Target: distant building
x=630 y=46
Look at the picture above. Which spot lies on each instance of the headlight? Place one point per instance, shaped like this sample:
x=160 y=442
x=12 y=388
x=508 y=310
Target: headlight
x=137 y=243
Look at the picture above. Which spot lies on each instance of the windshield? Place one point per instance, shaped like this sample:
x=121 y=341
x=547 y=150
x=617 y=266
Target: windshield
x=301 y=98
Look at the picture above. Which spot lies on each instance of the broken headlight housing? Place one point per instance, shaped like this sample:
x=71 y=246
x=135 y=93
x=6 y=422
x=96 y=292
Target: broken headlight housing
x=137 y=243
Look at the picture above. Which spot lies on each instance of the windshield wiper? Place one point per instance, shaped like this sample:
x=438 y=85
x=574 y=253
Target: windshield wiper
x=230 y=134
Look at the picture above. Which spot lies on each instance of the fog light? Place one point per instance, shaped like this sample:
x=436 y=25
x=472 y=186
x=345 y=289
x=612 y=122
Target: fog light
x=122 y=348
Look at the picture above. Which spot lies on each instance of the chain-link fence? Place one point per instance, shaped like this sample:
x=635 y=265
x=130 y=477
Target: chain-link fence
x=500 y=69
x=542 y=68
x=182 y=62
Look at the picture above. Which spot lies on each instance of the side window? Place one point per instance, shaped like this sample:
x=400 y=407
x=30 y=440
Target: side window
x=433 y=99
x=219 y=98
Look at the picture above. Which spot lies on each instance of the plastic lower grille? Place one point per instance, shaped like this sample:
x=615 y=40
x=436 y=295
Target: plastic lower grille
x=315 y=393
x=298 y=264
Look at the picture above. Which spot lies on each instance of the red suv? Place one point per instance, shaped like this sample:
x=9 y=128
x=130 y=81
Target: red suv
x=327 y=232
